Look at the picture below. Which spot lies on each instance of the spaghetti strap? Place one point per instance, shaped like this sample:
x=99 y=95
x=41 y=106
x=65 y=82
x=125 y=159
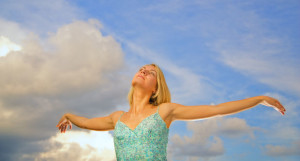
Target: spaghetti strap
x=157 y=109
x=121 y=115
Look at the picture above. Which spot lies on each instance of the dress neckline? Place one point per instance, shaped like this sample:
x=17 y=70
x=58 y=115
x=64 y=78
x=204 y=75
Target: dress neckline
x=139 y=123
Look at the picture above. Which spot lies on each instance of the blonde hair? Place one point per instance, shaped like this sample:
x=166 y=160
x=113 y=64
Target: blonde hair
x=162 y=94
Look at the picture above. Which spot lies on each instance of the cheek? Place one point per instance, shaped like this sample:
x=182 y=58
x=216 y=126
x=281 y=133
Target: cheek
x=153 y=82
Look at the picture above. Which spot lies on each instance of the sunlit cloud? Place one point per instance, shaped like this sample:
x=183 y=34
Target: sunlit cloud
x=66 y=65
x=71 y=62
x=76 y=146
x=6 y=46
x=67 y=72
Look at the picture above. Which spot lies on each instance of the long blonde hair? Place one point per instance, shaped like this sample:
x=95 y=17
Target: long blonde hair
x=162 y=94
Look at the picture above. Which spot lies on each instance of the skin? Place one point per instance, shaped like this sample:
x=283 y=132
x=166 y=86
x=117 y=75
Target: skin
x=144 y=83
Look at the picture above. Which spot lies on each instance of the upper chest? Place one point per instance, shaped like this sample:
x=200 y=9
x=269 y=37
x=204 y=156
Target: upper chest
x=133 y=122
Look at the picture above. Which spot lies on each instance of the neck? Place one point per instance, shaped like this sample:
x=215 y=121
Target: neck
x=140 y=101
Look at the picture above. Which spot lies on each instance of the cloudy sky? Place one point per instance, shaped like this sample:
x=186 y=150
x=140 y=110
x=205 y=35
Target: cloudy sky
x=80 y=56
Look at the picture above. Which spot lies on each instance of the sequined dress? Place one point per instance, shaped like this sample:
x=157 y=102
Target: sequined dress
x=148 y=141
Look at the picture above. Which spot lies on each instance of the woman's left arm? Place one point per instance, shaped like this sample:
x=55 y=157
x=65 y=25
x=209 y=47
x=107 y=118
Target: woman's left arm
x=181 y=112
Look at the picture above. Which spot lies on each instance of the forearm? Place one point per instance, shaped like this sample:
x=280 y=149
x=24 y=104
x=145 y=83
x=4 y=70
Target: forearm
x=76 y=120
x=238 y=106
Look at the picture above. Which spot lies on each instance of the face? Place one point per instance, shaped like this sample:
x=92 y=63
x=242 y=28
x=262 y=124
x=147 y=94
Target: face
x=146 y=77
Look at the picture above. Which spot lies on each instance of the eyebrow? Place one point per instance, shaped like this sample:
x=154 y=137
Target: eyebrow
x=150 y=69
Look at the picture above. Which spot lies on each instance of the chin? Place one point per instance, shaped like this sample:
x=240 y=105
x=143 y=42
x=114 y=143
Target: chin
x=136 y=82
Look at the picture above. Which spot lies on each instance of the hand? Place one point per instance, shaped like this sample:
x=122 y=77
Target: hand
x=63 y=124
x=272 y=102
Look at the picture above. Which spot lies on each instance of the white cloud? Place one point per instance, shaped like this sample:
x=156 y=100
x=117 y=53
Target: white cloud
x=77 y=69
x=281 y=135
x=76 y=146
x=6 y=46
x=247 y=44
x=205 y=141
x=277 y=150
x=78 y=58
x=12 y=31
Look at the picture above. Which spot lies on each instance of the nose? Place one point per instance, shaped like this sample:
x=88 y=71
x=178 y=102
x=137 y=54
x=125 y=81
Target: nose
x=145 y=72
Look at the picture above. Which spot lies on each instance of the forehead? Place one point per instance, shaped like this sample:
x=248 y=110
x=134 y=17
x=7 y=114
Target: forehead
x=149 y=67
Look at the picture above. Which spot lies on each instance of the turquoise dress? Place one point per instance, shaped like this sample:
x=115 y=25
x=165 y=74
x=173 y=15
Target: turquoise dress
x=148 y=141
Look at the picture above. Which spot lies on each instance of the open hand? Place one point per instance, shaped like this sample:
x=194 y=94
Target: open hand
x=63 y=124
x=272 y=102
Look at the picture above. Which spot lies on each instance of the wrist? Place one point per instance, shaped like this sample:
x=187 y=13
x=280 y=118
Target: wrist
x=261 y=98
x=67 y=115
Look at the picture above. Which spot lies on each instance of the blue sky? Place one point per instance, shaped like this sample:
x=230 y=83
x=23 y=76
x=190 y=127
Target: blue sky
x=80 y=57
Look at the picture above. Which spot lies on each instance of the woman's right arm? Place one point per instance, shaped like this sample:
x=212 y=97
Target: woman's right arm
x=99 y=124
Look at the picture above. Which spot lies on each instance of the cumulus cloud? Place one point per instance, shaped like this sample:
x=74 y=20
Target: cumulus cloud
x=6 y=46
x=79 y=57
x=12 y=31
x=75 y=146
x=76 y=69
x=205 y=141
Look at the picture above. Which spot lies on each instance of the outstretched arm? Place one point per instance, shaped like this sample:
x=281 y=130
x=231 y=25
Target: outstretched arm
x=181 y=112
x=98 y=124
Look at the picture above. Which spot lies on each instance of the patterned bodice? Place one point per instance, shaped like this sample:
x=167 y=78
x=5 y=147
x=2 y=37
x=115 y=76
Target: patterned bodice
x=148 y=141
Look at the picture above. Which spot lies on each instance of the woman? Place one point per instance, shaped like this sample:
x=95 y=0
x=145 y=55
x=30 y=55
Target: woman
x=142 y=132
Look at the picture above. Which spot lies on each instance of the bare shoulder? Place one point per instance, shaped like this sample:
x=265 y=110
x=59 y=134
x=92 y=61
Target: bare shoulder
x=166 y=109
x=116 y=115
x=169 y=107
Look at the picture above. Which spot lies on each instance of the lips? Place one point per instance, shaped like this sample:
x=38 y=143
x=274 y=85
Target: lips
x=141 y=77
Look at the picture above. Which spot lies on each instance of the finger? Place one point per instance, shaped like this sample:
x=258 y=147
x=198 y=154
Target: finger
x=63 y=129
x=70 y=126
x=281 y=111
x=60 y=126
x=280 y=105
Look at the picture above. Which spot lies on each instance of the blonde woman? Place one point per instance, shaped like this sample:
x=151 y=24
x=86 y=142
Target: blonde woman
x=142 y=132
